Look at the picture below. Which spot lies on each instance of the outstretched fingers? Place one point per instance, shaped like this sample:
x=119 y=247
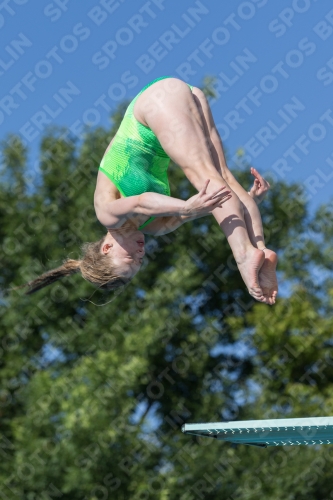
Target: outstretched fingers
x=217 y=197
x=203 y=190
x=259 y=180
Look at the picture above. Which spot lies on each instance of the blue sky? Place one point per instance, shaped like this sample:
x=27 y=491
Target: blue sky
x=70 y=63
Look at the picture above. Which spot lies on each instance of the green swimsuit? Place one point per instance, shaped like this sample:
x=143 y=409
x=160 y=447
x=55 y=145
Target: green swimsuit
x=136 y=162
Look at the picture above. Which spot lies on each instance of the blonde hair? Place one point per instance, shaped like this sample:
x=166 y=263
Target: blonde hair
x=94 y=267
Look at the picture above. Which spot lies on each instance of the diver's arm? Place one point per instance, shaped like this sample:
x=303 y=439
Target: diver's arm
x=115 y=213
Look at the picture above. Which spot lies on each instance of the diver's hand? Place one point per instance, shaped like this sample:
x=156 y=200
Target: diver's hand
x=260 y=186
x=204 y=203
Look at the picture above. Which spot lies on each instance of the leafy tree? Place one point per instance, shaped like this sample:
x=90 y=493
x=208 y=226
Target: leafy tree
x=92 y=398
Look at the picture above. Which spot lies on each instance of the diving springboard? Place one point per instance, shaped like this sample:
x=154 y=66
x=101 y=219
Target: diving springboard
x=263 y=433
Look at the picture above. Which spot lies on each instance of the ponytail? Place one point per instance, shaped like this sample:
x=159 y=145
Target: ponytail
x=69 y=267
x=94 y=267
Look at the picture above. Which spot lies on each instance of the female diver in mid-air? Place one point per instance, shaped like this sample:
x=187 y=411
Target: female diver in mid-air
x=169 y=119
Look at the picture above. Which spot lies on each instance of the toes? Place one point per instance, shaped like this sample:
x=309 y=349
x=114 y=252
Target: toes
x=272 y=297
x=257 y=290
x=258 y=296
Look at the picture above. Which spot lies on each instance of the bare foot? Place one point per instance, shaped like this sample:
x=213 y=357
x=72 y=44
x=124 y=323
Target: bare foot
x=267 y=276
x=249 y=267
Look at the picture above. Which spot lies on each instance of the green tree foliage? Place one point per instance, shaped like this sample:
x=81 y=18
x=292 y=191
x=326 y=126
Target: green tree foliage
x=92 y=398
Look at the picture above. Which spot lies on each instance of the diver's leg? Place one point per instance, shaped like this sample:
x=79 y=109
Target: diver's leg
x=267 y=274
